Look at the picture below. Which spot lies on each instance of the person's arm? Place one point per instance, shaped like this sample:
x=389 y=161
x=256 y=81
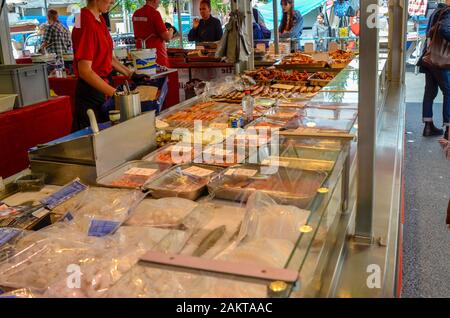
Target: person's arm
x=445 y=26
x=119 y=67
x=86 y=72
x=46 y=38
x=297 y=28
x=161 y=29
x=315 y=31
x=193 y=34
x=218 y=33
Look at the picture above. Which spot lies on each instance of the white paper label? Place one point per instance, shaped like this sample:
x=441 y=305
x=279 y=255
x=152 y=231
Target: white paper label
x=219 y=125
x=41 y=213
x=178 y=148
x=241 y=172
x=197 y=171
x=141 y=171
x=333 y=47
x=309 y=47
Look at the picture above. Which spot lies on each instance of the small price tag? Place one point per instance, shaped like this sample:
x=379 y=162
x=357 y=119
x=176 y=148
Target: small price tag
x=333 y=47
x=7 y=234
x=178 y=148
x=41 y=213
x=197 y=171
x=309 y=47
x=321 y=56
x=64 y=194
x=101 y=228
x=241 y=172
x=261 y=47
x=219 y=125
x=141 y=171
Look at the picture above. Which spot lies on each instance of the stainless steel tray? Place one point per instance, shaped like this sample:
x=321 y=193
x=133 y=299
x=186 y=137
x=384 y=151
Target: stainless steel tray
x=221 y=191
x=115 y=174
x=160 y=187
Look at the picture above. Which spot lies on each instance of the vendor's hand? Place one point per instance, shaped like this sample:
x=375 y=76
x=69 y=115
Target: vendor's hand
x=139 y=78
x=111 y=92
x=196 y=23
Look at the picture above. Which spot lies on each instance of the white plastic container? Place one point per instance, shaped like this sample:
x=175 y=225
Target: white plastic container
x=145 y=61
x=7 y=102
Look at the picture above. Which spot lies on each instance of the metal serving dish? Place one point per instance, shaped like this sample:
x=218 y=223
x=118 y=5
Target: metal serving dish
x=118 y=174
x=166 y=185
x=285 y=186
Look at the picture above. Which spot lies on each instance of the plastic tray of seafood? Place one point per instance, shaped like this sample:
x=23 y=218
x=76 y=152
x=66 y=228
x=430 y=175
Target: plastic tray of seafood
x=185 y=181
x=133 y=174
x=284 y=185
x=172 y=154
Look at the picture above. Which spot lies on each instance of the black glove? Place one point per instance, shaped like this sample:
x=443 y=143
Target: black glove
x=139 y=78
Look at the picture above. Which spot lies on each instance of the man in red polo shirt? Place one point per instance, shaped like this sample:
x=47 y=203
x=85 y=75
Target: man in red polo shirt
x=150 y=28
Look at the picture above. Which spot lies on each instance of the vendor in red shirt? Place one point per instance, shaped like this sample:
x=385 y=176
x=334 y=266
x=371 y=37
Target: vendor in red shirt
x=93 y=62
x=149 y=28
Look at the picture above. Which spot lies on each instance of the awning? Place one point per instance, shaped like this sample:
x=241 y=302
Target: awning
x=304 y=6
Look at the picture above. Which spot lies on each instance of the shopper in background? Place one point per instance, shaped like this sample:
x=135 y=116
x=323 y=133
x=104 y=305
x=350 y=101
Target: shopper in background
x=93 y=62
x=56 y=36
x=435 y=77
x=208 y=29
x=258 y=19
x=149 y=27
x=320 y=31
x=292 y=21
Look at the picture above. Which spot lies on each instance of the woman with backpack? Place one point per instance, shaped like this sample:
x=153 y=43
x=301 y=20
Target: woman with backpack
x=437 y=75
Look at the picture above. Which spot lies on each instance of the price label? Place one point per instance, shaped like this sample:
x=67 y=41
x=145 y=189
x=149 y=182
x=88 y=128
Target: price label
x=261 y=47
x=41 y=213
x=101 y=228
x=241 y=172
x=141 y=171
x=64 y=194
x=178 y=148
x=219 y=125
x=333 y=47
x=321 y=56
x=309 y=47
x=7 y=234
x=197 y=171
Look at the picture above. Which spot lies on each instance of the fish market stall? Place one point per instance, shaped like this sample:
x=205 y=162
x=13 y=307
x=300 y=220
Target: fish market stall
x=241 y=210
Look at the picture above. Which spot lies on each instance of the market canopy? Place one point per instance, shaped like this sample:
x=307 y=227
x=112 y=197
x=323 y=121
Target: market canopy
x=304 y=6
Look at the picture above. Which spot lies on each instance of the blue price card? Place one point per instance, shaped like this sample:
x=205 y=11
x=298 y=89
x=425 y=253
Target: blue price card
x=7 y=234
x=101 y=228
x=68 y=191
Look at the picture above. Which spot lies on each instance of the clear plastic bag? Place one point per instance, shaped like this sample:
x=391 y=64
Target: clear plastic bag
x=112 y=206
x=164 y=212
x=284 y=185
x=122 y=251
x=185 y=181
x=268 y=220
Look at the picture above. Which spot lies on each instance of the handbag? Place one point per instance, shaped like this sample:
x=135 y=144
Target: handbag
x=438 y=50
